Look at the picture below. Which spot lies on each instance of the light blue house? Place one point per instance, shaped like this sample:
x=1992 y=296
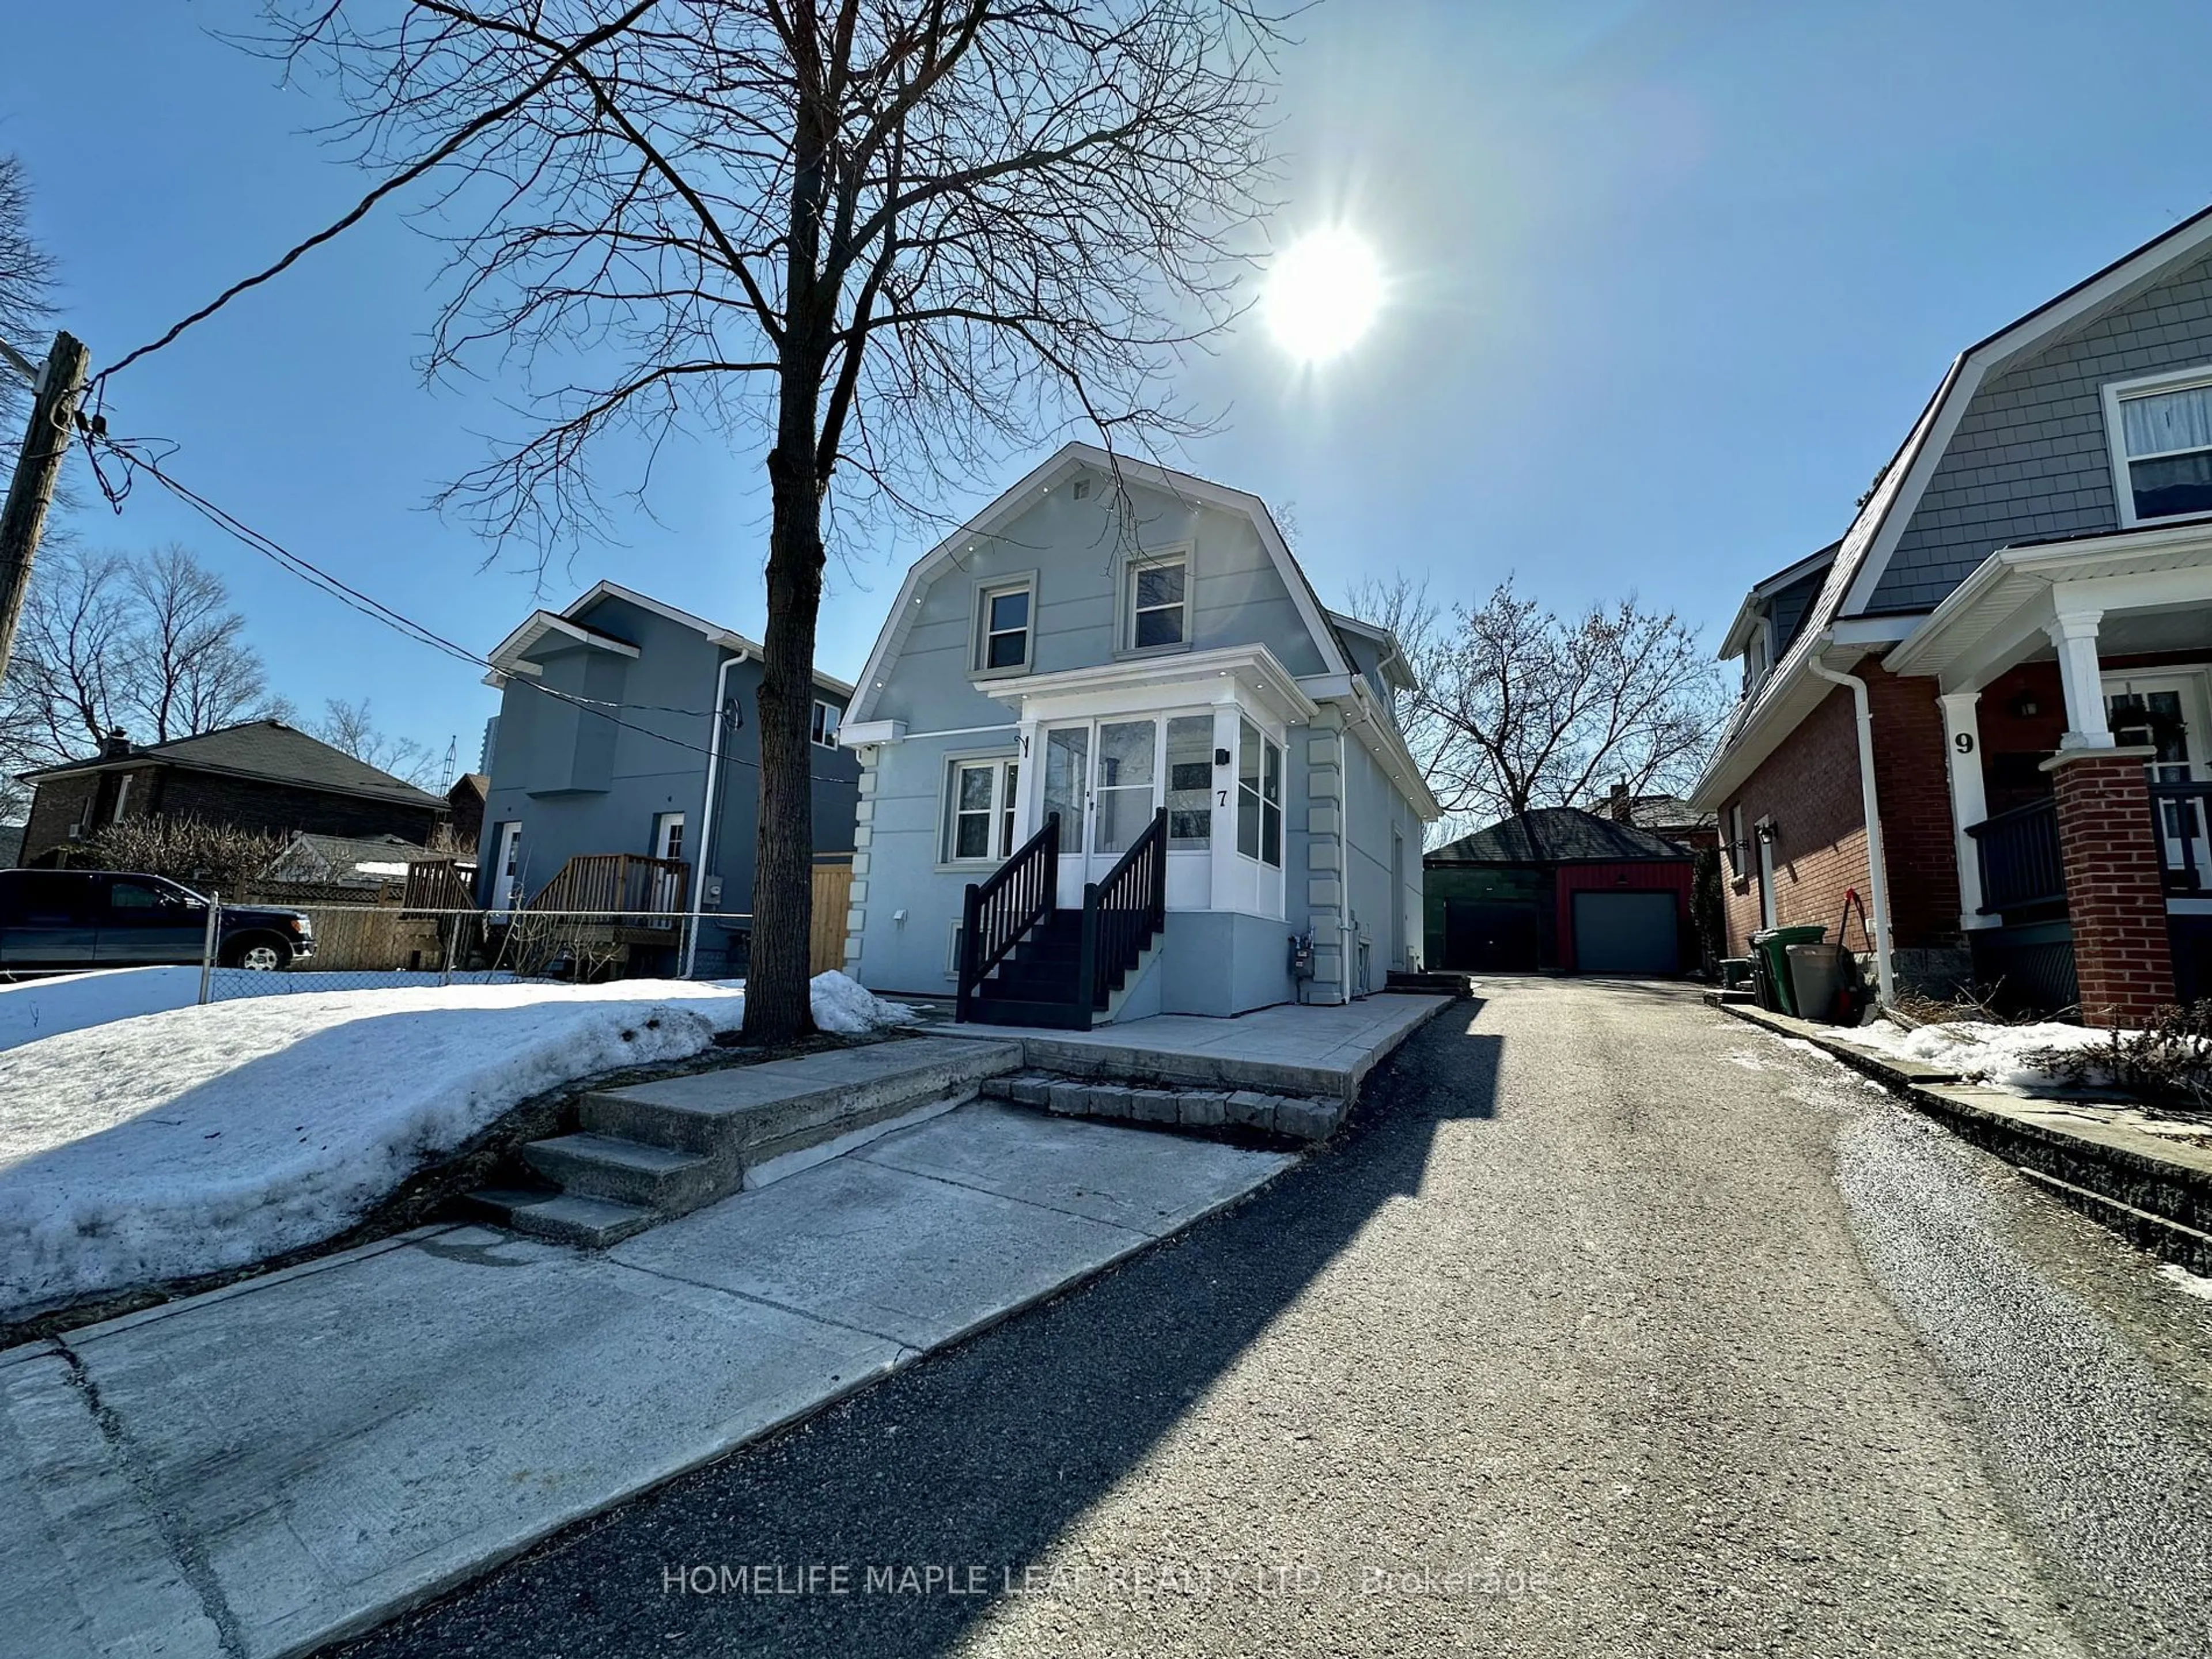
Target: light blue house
x=1134 y=653
x=625 y=776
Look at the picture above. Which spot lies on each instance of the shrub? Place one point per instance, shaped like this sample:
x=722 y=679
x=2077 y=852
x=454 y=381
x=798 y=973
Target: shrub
x=207 y=857
x=2169 y=1062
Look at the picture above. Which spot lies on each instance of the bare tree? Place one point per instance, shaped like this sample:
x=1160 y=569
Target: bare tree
x=890 y=237
x=1521 y=707
x=348 y=726
x=148 y=644
x=192 y=670
x=27 y=277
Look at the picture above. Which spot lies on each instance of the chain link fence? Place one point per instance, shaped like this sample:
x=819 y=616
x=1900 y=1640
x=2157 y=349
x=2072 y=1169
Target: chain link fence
x=254 y=950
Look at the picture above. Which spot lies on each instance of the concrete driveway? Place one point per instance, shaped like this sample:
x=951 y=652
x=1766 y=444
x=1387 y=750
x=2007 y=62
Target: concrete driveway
x=1611 y=1327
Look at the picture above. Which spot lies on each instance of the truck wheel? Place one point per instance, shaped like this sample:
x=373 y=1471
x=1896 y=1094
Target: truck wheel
x=259 y=953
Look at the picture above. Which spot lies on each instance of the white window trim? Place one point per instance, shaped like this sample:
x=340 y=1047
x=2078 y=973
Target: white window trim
x=1737 y=851
x=662 y=823
x=814 y=726
x=1124 y=598
x=1020 y=581
x=1236 y=793
x=948 y=805
x=2117 y=393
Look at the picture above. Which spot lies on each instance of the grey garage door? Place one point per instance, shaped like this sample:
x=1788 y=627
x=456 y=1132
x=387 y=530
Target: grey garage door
x=1625 y=934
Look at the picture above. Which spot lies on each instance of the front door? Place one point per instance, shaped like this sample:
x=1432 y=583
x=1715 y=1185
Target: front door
x=2167 y=713
x=1103 y=778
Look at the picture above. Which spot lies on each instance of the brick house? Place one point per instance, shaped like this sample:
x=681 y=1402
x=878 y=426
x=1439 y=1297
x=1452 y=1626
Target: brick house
x=1987 y=709
x=261 y=776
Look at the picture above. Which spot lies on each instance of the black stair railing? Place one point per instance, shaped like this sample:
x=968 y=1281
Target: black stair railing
x=2019 y=858
x=1121 y=912
x=1000 y=909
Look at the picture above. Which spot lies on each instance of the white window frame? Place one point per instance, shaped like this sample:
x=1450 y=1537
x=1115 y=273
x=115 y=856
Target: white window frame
x=822 y=729
x=1737 y=851
x=1238 y=789
x=979 y=656
x=1125 y=603
x=663 y=824
x=2117 y=393
x=1005 y=820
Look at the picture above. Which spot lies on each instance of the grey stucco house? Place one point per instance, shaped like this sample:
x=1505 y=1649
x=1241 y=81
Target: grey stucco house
x=605 y=744
x=1135 y=650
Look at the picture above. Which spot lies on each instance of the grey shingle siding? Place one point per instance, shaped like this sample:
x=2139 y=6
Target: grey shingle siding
x=1787 y=608
x=2029 y=459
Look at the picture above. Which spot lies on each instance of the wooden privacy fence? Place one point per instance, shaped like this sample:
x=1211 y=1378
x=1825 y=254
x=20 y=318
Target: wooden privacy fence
x=833 y=895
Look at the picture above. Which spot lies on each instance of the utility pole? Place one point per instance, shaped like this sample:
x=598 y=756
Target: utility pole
x=38 y=468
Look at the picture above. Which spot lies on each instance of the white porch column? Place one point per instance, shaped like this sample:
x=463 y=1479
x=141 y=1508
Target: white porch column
x=1962 y=754
x=2074 y=633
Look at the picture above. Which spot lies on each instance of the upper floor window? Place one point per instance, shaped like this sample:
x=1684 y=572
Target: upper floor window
x=2161 y=433
x=824 y=729
x=1158 y=603
x=1003 y=626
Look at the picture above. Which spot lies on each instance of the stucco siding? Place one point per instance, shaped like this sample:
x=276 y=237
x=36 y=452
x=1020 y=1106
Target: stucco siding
x=2030 y=458
x=1373 y=811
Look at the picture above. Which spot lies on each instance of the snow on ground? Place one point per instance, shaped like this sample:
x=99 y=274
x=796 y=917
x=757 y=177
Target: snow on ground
x=71 y=1002
x=849 y=1008
x=192 y=1139
x=1979 y=1051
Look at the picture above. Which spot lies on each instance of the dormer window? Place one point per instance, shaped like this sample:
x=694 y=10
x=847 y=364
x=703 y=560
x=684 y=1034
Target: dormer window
x=1758 y=655
x=1156 y=605
x=1005 y=624
x=2161 y=434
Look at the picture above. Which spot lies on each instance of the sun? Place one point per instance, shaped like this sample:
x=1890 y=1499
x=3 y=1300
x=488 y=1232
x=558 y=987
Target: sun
x=1321 y=294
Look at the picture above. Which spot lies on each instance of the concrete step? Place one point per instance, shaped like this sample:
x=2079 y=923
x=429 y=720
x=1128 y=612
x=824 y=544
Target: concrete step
x=563 y=1217
x=1295 y=1117
x=628 y=1171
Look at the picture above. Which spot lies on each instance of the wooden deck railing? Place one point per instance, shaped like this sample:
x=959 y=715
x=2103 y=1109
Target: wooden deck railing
x=998 y=911
x=438 y=885
x=1121 y=912
x=637 y=894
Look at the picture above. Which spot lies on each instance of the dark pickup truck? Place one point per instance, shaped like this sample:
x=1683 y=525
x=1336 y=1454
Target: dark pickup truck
x=52 y=919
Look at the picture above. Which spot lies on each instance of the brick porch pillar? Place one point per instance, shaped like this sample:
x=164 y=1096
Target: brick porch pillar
x=2115 y=893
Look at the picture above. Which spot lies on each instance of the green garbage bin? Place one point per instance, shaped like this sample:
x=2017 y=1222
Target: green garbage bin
x=1773 y=944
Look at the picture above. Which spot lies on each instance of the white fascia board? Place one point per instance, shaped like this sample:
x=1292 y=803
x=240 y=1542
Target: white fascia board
x=720 y=635
x=855 y=734
x=1789 y=695
x=1018 y=498
x=2186 y=241
x=1153 y=682
x=508 y=658
x=1876 y=631
x=1389 y=745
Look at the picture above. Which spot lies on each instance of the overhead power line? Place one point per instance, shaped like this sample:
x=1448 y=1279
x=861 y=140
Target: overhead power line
x=135 y=456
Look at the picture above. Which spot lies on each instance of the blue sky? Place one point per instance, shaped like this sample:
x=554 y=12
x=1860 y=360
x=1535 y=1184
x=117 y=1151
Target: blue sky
x=1668 y=282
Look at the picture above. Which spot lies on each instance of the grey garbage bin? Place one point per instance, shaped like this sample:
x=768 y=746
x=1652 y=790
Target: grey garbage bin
x=1816 y=977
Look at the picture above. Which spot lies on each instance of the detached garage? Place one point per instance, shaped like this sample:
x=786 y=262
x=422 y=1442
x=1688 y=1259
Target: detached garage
x=1559 y=891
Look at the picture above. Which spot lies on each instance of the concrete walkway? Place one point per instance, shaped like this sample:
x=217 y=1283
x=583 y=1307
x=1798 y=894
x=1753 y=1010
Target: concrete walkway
x=255 y=1471
x=1289 y=1048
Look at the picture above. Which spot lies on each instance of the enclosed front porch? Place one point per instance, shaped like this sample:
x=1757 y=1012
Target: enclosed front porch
x=2075 y=684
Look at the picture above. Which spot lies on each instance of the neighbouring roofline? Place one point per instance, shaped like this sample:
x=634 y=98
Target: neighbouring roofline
x=1039 y=481
x=1839 y=618
x=507 y=657
x=402 y=793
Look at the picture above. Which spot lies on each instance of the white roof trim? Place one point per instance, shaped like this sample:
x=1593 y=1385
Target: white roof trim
x=1748 y=613
x=1394 y=654
x=506 y=656
x=2186 y=241
x=1252 y=663
x=1022 y=495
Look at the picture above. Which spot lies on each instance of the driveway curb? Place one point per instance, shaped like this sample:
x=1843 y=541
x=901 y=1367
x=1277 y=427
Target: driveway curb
x=2154 y=1194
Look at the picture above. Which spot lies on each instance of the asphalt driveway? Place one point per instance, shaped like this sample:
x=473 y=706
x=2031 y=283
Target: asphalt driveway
x=1612 y=1326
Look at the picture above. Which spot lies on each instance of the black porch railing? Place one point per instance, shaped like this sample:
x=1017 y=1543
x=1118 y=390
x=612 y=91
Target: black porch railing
x=1122 y=913
x=2019 y=860
x=1003 y=907
x=2178 y=814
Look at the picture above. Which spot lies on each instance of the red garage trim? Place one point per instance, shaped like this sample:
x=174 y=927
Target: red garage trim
x=1648 y=876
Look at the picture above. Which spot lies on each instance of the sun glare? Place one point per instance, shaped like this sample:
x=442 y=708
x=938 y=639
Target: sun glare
x=1321 y=295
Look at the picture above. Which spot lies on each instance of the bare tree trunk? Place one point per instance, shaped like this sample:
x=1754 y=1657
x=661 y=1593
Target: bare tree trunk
x=777 y=1007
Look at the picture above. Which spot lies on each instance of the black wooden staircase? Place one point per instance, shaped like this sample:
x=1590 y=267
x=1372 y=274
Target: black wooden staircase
x=1025 y=962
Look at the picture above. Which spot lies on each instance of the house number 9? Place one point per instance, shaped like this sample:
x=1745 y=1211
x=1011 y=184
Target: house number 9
x=1964 y=743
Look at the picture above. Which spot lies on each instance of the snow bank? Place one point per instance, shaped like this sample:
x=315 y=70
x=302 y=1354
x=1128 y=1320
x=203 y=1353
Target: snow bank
x=71 y=1002
x=198 y=1139
x=1978 y=1051
x=849 y=1008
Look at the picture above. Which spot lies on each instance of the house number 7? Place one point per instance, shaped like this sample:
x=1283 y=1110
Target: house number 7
x=1223 y=794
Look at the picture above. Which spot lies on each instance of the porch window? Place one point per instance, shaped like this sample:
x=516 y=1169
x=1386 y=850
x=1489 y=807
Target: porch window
x=1190 y=782
x=2163 y=430
x=1002 y=626
x=982 y=827
x=1259 y=796
x=824 y=729
x=1159 y=592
